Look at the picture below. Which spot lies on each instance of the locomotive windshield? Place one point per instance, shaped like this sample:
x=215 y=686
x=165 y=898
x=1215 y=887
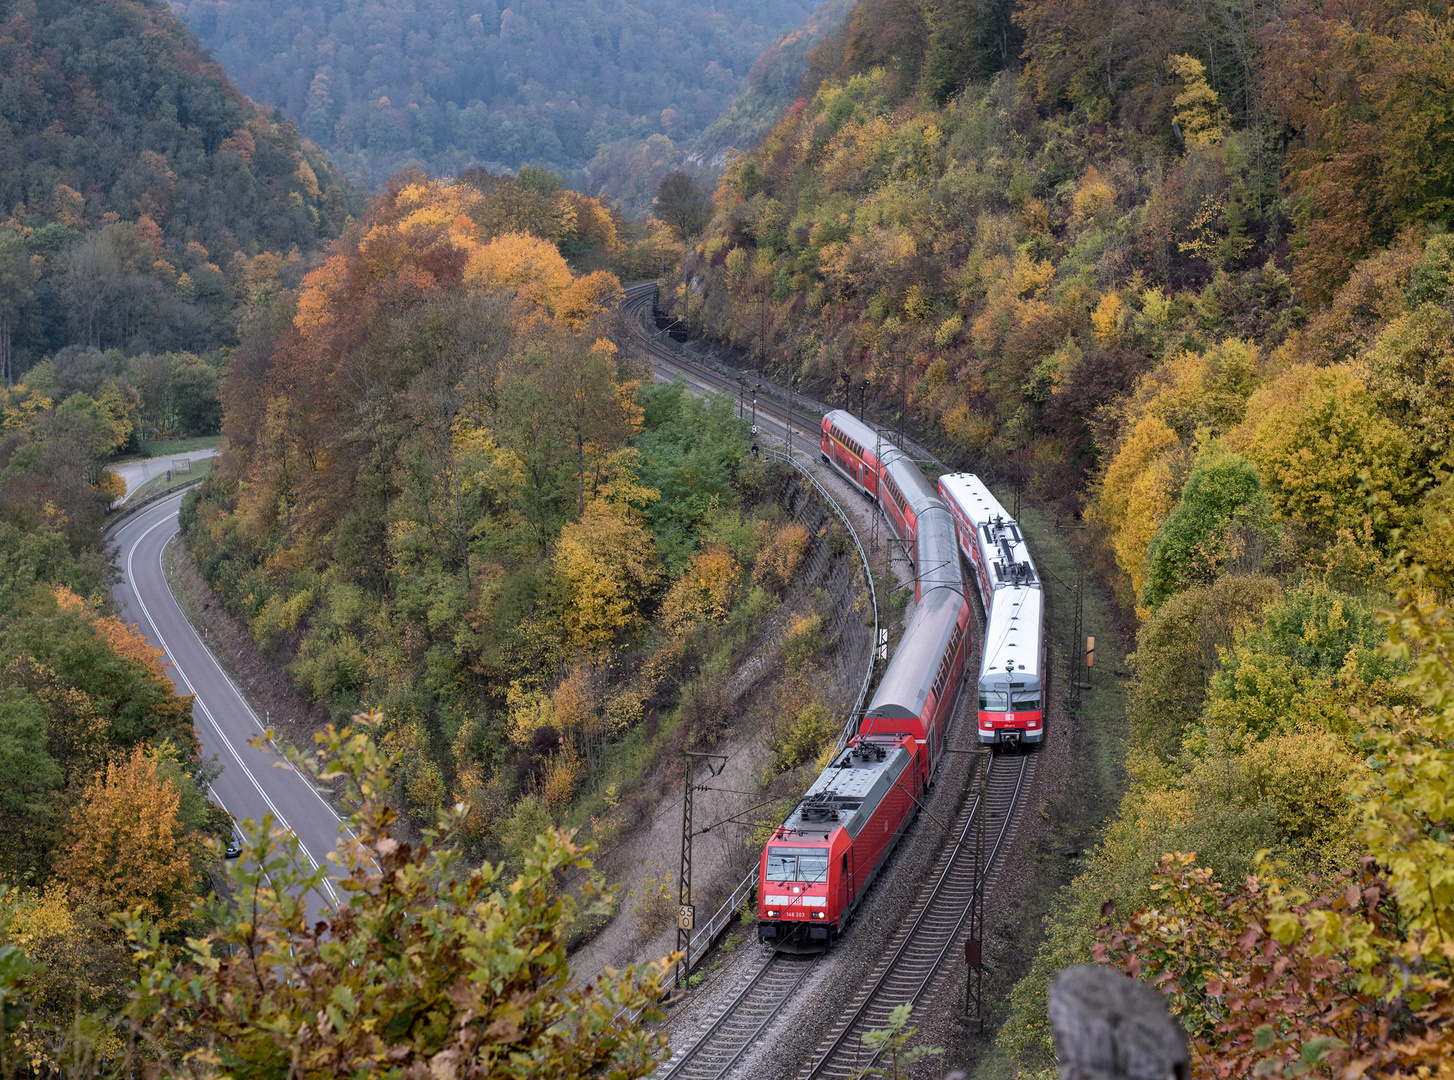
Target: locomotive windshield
x=1028 y=701
x=994 y=700
x=797 y=864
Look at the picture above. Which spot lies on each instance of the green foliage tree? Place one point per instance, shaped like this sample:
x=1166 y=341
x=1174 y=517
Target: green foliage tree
x=196 y=387
x=1178 y=650
x=690 y=450
x=682 y=204
x=425 y=965
x=19 y=270
x=1222 y=517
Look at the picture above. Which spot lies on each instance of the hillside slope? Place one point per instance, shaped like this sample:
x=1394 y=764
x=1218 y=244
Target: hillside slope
x=137 y=186
x=1185 y=273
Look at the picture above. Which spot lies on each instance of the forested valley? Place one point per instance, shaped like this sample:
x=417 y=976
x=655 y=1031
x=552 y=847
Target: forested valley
x=611 y=94
x=451 y=500
x=1180 y=273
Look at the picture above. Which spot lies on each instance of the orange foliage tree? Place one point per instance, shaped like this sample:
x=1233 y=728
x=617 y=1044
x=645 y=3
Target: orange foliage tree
x=128 y=849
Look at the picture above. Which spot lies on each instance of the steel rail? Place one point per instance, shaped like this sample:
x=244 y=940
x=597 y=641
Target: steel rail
x=635 y=301
x=763 y=1012
x=929 y=920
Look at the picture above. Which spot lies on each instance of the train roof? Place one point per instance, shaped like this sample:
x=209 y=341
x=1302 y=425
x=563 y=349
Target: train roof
x=869 y=437
x=1013 y=636
x=910 y=677
x=997 y=535
x=973 y=497
x=918 y=491
x=846 y=793
x=936 y=556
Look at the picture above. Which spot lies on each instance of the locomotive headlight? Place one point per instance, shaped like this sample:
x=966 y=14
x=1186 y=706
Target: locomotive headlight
x=772 y=914
x=820 y=915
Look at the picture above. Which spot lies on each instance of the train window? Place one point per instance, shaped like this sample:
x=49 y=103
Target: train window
x=813 y=867
x=797 y=864
x=781 y=867
x=994 y=701
x=1029 y=702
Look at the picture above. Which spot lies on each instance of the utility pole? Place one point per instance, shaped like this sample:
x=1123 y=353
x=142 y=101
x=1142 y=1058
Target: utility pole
x=792 y=384
x=878 y=453
x=1079 y=654
x=762 y=333
x=741 y=390
x=903 y=392
x=755 y=387
x=862 y=398
x=686 y=910
x=1019 y=460
x=974 y=944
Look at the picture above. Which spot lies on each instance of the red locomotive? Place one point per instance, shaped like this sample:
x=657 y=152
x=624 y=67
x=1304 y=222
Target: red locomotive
x=818 y=864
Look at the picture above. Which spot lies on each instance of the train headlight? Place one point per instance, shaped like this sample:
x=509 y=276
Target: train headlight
x=772 y=914
x=1032 y=723
x=820 y=915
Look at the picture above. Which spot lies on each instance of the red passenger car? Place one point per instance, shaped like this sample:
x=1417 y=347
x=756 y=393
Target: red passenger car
x=820 y=861
x=854 y=449
x=917 y=693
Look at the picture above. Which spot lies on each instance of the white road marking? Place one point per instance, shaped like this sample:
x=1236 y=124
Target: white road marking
x=197 y=698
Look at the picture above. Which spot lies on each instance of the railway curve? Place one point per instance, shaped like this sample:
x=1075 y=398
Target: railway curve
x=913 y=963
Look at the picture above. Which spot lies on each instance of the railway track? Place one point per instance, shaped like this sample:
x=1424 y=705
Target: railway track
x=638 y=301
x=915 y=956
x=939 y=918
x=743 y=1021
x=938 y=921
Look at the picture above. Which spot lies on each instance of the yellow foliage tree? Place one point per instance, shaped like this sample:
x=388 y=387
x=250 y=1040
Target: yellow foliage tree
x=1199 y=116
x=1140 y=488
x=1094 y=198
x=516 y=260
x=587 y=297
x=781 y=551
x=1318 y=439
x=704 y=591
x=608 y=564
x=1107 y=319
x=128 y=847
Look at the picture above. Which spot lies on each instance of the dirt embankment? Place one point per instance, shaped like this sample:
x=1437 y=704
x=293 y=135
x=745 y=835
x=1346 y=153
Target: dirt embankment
x=730 y=807
x=264 y=684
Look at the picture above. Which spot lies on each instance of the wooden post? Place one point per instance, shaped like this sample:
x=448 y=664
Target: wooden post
x=1109 y=1027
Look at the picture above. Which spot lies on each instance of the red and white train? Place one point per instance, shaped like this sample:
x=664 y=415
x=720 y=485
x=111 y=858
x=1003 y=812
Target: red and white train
x=820 y=861
x=1013 y=663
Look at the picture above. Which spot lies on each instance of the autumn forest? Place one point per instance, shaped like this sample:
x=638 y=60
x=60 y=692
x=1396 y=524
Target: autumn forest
x=1180 y=275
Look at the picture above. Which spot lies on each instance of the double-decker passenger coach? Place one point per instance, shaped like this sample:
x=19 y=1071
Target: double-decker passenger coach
x=1013 y=664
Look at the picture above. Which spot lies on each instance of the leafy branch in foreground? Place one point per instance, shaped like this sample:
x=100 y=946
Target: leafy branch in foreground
x=1270 y=980
x=890 y=1043
x=424 y=968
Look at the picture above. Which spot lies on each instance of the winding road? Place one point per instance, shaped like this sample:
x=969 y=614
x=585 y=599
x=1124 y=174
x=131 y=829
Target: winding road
x=254 y=782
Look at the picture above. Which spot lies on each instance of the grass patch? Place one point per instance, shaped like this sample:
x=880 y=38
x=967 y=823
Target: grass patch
x=168 y=481
x=152 y=448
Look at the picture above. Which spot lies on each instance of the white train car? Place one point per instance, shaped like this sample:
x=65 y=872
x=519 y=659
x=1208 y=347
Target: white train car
x=1014 y=669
